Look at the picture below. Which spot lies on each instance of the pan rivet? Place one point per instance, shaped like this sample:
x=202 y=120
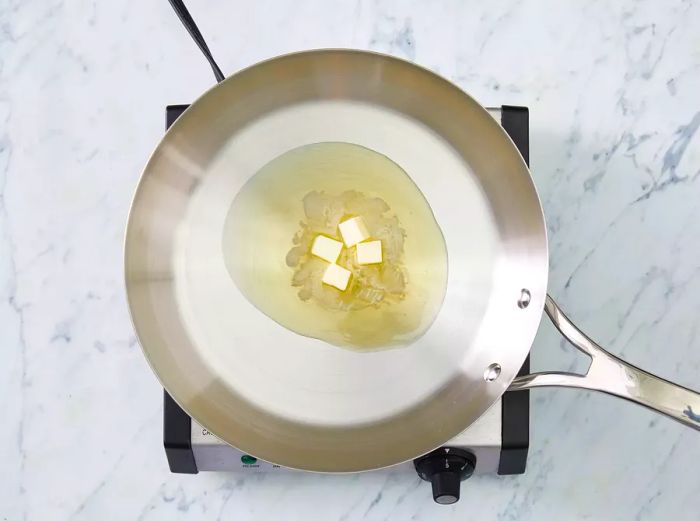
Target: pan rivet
x=492 y=372
x=524 y=300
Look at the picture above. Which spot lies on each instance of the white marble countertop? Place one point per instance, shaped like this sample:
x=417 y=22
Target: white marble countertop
x=615 y=152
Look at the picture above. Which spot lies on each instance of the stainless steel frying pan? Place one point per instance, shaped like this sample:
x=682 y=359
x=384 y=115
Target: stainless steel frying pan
x=299 y=402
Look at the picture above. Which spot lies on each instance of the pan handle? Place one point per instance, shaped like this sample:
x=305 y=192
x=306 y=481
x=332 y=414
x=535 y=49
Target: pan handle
x=614 y=376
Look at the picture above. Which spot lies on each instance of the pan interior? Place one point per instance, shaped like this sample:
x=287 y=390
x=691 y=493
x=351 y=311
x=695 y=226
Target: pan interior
x=292 y=375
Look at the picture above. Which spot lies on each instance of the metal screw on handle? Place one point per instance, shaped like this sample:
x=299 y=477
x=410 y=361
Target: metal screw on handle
x=614 y=376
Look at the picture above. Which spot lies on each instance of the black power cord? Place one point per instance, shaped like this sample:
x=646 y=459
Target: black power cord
x=184 y=15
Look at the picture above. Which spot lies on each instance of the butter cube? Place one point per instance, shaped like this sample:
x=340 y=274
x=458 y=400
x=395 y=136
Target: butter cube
x=336 y=276
x=369 y=252
x=326 y=248
x=353 y=231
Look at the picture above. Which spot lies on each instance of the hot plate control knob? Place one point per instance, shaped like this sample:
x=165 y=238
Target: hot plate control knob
x=445 y=468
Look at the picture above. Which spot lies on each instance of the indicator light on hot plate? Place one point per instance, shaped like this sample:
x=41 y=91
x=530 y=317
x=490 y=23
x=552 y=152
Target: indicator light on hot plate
x=247 y=459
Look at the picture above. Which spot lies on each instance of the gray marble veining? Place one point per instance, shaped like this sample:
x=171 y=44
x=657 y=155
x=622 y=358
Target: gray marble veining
x=615 y=152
